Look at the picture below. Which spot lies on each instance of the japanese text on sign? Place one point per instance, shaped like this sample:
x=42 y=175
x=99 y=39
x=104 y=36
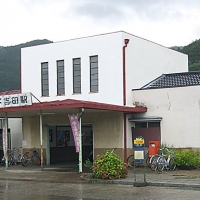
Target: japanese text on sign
x=15 y=100
x=75 y=130
x=138 y=141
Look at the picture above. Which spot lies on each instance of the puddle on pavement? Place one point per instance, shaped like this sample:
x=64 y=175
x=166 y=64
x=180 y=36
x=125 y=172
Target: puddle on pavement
x=9 y=196
x=186 y=177
x=68 y=169
x=179 y=175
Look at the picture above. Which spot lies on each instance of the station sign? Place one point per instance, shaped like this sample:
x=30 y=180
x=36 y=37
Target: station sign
x=139 y=149
x=15 y=100
x=138 y=141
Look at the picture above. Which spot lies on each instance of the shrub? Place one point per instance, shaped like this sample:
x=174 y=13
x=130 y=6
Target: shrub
x=187 y=159
x=109 y=166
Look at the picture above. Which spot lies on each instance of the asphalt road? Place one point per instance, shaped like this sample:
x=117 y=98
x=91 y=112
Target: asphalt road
x=30 y=190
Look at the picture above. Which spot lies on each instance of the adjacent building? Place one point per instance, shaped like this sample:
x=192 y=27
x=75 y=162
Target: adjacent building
x=173 y=101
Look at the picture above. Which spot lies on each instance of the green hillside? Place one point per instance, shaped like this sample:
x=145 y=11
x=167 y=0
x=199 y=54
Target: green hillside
x=10 y=58
x=193 y=52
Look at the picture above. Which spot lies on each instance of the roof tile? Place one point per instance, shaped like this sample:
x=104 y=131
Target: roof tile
x=174 y=80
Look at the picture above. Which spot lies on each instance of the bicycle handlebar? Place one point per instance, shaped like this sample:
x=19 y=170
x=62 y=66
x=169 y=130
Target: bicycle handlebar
x=165 y=148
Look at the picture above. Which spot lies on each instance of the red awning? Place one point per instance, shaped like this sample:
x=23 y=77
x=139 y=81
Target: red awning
x=73 y=104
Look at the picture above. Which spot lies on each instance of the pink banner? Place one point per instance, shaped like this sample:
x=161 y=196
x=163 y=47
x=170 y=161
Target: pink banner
x=4 y=140
x=75 y=130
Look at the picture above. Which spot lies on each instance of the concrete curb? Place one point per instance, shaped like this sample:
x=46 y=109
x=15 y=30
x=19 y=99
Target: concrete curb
x=143 y=184
x=165 y=184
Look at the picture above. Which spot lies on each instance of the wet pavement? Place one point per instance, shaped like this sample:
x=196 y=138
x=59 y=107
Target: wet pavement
x=68 y=173
x=63 y=181
x=29 y=190
x=10 y=196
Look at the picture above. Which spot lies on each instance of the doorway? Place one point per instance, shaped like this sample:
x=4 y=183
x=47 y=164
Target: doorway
x=148 y=130
x=61 y=143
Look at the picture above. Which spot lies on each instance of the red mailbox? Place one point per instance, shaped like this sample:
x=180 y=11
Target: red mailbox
x=153 y=147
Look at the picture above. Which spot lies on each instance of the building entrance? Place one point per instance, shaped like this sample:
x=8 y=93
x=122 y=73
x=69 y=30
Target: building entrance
x=61 y=142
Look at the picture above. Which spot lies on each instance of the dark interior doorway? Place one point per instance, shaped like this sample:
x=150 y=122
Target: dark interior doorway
x=62 y=148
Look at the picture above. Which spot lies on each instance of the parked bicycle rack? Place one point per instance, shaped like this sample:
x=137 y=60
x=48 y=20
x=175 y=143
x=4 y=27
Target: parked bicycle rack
x=139 y=156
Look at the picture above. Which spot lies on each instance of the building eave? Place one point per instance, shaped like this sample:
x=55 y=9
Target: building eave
x=72 y=104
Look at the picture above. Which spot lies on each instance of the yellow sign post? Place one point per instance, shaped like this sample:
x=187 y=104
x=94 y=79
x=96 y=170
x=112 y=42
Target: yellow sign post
x=139 y=141
x=139 y=156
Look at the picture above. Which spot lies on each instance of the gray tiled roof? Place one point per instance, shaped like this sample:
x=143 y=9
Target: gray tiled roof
x=174 y=80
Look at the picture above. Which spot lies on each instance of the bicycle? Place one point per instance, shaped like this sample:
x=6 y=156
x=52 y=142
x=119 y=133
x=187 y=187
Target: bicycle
x=16 y=155
x=168 y=163
x=34 y=158
x=130 y=160
x=153 y=161
x=3 y=161
x=11 y=158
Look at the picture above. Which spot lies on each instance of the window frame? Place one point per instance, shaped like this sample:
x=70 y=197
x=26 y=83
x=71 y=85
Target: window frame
x=75 y=77
x=94 y=71
x=60 y=77
x=44 y=91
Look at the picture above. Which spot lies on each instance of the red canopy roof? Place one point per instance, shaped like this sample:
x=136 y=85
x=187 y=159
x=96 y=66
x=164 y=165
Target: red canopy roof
x=70 y=104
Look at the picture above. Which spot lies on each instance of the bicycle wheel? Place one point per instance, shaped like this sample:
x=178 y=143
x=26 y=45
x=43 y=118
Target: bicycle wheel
x=148 y=161
x=10 y=161
x=19 y=158
x=172 y=165
x=130 y=161
x=153 y=162
x=36 y=160
x=24 y=160
x=161 y=163
x=15 y=160
x=3 y=160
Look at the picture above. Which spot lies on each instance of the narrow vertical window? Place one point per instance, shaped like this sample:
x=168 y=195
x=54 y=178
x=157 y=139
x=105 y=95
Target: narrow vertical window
x=60 y=78
x=77 y=75
x=94 y=78
x=45 y=79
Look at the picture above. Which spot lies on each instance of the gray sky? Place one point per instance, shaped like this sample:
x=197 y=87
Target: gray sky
x=166 y=22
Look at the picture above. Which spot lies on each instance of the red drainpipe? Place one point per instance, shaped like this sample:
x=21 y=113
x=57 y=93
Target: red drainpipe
x=125 y=143
x=126 y=41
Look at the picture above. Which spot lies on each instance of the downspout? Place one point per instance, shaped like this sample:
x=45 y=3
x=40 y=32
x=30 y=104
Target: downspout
x=126 y=41
x=125 y=138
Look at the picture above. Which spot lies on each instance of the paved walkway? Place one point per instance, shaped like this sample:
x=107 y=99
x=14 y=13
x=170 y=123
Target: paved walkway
x=69 y=173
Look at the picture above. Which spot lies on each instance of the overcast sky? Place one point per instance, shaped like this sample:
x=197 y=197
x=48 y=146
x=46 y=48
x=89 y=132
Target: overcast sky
x=166 y=22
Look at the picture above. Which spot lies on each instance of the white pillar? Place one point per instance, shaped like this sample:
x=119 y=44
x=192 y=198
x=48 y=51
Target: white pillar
x=6 y=134
x=80 y=147
x=47 y=147
x=41 y=142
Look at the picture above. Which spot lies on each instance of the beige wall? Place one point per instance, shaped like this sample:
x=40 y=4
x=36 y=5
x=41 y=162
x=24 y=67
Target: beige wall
x=31 y=132
x=180 y=111
x=107 y=130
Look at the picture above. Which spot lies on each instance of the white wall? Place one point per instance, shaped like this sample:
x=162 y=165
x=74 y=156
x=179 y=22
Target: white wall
x=109 y=50
x=147 y=60
x=180 y=109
